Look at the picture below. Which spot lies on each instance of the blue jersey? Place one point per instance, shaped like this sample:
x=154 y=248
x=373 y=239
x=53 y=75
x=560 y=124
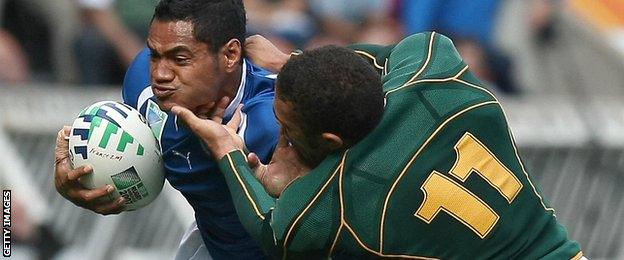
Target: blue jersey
x=188 y=164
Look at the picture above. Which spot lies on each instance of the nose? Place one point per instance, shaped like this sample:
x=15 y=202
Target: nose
x=161 y=72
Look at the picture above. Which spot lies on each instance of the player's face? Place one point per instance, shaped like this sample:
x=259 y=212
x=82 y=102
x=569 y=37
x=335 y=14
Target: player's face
x=309 y=146
x=183 y=70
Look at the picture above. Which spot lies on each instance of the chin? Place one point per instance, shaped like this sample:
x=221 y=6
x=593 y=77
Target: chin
x=164 y=105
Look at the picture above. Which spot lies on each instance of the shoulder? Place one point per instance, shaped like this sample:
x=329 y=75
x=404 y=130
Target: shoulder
x=259 y=94
x=257 y=71
x=137 y=78
x=259 y=128
x=260 y=83
x=432 y=53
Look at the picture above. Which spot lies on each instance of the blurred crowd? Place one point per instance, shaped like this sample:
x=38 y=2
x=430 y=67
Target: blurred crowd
x=91 y=42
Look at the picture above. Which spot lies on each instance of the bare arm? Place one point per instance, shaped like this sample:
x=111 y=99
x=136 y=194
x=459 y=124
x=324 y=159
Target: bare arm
x=263 y=53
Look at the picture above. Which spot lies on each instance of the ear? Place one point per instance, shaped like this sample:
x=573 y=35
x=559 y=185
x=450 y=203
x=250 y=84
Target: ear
x=232 y=52
x=332 y=141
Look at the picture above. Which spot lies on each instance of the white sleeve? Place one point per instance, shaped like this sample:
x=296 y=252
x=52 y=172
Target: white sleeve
x=95 y=4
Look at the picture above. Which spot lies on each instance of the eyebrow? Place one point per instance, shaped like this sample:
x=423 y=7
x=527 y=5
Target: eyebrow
x=180 y=48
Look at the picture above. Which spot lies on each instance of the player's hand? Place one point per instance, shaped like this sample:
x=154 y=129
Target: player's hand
x=285 y=167
x=264 y=54
x=220 y=139
x=67 y=184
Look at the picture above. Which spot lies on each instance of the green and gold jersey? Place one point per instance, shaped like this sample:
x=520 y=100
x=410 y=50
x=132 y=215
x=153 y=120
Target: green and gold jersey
x=439 y=178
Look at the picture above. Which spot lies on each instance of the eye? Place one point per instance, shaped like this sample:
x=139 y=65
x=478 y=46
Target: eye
x=181 y=60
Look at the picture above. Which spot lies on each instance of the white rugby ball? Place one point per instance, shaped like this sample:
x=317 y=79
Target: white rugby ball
x=116 y=141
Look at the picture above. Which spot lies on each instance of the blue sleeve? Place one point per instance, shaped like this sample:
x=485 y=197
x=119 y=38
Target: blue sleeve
x=261 y=130
x=137 y=78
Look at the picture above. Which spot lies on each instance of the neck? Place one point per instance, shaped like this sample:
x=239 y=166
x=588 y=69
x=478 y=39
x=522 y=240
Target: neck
x=232 y=83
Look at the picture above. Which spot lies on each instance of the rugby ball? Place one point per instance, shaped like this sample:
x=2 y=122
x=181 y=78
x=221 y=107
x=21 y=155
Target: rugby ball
x=116 y=141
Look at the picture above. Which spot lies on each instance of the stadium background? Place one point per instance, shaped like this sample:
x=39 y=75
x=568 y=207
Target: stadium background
x=567 y=115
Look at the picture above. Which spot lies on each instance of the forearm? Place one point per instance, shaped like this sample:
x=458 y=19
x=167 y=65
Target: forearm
x=251 y=201
x=277 y=63
x=376 y=55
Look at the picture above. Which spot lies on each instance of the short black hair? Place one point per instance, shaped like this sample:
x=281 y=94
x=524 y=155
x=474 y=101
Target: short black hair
x=333 y=90
x=215 y=22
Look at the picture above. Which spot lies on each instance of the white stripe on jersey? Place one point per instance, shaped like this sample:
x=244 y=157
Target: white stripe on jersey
x=229 y=111
x=243 y=126
x=145 y=95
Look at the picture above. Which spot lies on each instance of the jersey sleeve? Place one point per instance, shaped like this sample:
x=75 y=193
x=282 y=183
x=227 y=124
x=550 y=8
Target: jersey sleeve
x=420 y=56
x=137 y=78
x=375 y=54
x=253 y=204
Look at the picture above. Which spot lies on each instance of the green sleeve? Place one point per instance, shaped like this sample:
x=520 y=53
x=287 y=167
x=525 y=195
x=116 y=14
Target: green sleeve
x=421 y=56
x=375 y=54
x=253 y=204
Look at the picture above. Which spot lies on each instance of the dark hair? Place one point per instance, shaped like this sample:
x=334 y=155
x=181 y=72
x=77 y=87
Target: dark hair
x=333 y=90
x=215 y=22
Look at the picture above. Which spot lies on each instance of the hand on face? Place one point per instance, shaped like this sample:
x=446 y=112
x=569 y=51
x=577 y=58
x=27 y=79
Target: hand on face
x=220 y=139
x=285 y=167
x=67 y=184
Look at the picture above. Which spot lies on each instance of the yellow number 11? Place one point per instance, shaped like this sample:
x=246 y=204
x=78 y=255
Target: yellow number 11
x=444 y=194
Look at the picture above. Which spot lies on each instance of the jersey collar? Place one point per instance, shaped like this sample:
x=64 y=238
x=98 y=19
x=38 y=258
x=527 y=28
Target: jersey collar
x=231 y=108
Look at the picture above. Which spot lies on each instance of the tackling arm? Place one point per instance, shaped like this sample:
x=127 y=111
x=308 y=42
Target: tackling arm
x=253 y=204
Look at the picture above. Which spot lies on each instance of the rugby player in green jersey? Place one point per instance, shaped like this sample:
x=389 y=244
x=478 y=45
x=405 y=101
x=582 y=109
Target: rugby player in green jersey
x=418 y=163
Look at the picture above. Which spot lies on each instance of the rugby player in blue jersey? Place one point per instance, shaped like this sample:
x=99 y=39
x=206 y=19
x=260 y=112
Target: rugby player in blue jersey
x=194 y=59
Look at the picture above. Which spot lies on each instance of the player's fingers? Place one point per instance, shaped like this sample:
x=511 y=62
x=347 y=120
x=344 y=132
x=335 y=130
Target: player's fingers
x=94 y=194
x=219 y=111
x=252 y=160
x=113 y=207
x=66 y=131
x=236 y=118
x=74 y=174
x=251 y=40
x=191 y=119
x=256 y=166
x=261 y=174
x=61 y=151
x=60 y=174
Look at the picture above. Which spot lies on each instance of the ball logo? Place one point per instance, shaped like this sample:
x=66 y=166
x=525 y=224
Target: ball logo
x=103 y=116
x=129 y=185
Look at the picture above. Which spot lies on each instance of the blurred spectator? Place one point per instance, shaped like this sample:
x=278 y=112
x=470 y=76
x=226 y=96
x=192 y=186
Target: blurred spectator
x=14 y=67
x=113 y=34
x=287 y=23
x=292 y=24
x=541 y=20
x=471 y=25
x=43 y=29
x=349 y=21
x=38 y=237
